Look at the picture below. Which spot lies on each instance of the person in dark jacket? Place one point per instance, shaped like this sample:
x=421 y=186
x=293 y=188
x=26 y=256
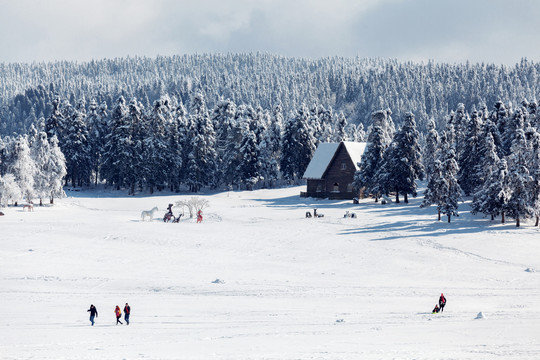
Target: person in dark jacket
x=436 y=309
x=127 y=311
x=93 y=313
x=442 y=302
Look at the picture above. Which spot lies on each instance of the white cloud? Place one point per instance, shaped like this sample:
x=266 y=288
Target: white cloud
x=32 y=30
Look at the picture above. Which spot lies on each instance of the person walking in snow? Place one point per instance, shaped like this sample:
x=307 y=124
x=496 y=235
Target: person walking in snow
x=118 y=313
x=93 y=313
x=199 y=216
x=127 y=311
x=442 y=302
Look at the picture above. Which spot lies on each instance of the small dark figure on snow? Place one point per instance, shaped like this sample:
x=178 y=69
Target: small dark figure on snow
x=442 y=302
x=199 y=216
x=169 y=215
x=436 y=309
x=127 y=311
x=93 y=313
x=118 y=313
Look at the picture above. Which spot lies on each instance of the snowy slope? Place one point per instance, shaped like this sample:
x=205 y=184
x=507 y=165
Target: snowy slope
x=289 y=287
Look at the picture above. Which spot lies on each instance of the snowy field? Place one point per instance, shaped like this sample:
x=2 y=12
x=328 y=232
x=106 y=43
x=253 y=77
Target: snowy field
x=257 y=280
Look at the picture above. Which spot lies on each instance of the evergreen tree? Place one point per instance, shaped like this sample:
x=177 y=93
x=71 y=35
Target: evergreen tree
x=23 y=168
x=377 y=143
x=451 y=191
x=431 y=149
x=492 y=198
x=40 y=152
x=76 y=147
x=202 y=159
x=435 y=188
x=118 y=148
x=56 y=170
x=519 y=181
x=402 y=163
x=9 y=189
x=470 y=175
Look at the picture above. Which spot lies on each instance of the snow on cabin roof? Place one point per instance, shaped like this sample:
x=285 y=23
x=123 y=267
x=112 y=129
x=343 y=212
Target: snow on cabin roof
x=322 y=157
x=355 y=150
x=324 y=154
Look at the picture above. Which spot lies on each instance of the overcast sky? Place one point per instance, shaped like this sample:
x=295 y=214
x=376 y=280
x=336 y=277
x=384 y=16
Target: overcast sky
x=491 y=31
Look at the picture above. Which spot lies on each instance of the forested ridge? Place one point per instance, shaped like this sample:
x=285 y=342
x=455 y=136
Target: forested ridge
x=253 y=120
x=354 y=86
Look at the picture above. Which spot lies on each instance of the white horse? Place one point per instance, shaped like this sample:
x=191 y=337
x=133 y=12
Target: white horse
x=149 y=213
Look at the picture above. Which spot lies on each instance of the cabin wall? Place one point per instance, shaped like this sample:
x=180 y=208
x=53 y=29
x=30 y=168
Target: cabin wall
x=341 y=172
x=337 y=181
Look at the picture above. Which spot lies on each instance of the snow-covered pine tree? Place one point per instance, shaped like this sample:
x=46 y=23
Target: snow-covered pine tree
x=299 y=144
x=185 y=129
x=156 y=153
x=402 y=162
x=512 y=126
x=499 y=116
x=533 y=161
x=223 y=118
x=519 y=181
x=52 y=124
x=202 y=159
x=97 y=124
x=76 y=148
x=491 y=199
x=340 y=131
x=40 y=153
x=451 y=191
x=250 y=166
x=57 y=170
x=431 y=149
x=23 y=168
x=377 y=142
x=117 y=157
x=470 y=176
x=9 y=189
x=270 y=147
x=435 y=188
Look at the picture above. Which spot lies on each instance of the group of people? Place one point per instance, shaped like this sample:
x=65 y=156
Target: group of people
x=127 y=311
x=440 y=306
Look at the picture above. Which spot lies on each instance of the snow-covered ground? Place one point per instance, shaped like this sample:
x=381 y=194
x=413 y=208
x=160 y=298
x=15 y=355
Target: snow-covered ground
x=258 y=280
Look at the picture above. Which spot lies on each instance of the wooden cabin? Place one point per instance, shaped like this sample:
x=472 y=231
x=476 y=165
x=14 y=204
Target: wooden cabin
x=330 y=173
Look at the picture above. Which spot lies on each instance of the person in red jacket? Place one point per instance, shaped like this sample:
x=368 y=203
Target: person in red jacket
x=127 y=311
x=118 y=313
x=442 y=302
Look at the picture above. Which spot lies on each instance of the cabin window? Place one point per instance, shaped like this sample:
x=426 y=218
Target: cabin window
x=319 y=188
x=343 y=165
x=349 y=187
x=336 y=187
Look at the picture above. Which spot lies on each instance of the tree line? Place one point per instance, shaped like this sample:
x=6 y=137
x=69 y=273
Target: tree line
x=169 y=146
x=354 y=86
x=490 y=156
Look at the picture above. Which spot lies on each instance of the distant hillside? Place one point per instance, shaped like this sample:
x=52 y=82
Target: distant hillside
x=354 y=86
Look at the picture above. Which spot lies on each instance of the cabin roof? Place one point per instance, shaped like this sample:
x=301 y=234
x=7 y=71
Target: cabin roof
x=325 y=153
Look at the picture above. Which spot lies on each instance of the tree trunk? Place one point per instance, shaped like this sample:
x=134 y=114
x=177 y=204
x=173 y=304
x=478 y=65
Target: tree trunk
x=517 y=221
x=448 y=218
x=537 y=220
x=492 y=217
x=439 y=212
x=502 y=217
x=40 y=202
x=405 y=198
x=397 y=197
